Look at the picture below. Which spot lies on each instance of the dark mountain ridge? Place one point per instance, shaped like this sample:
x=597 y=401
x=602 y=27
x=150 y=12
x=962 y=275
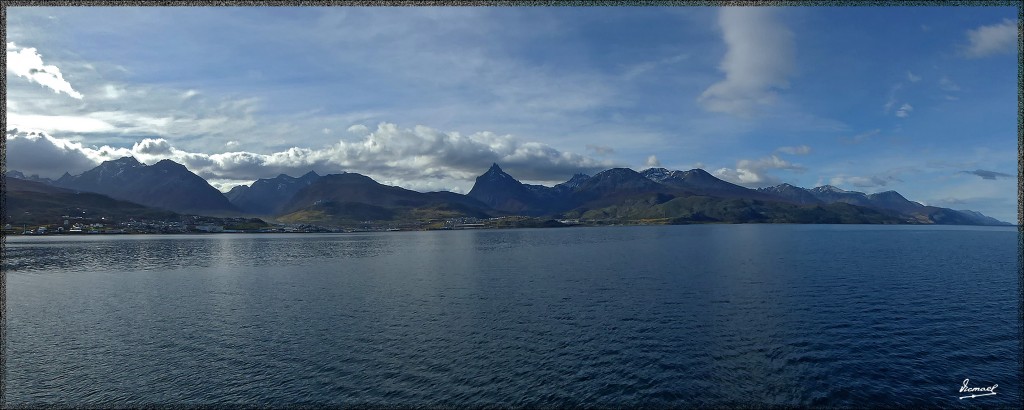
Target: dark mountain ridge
x=655 y=194
x=268 y=196
x=32 y=202
x=33 y=178
x=700 y=182
x=830 y=194
x=165 y=185
x=352 y=198
x=792 y=194
x=691 y=196
x=501 y=191
x=890 y=202
x=613 y=185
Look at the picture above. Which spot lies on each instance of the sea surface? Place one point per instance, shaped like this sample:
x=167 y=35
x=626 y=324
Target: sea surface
x=679 y=316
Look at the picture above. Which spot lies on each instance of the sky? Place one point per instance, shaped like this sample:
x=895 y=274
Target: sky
x=921 y=100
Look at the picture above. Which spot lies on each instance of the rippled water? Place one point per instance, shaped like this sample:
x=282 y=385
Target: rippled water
x=719 y=315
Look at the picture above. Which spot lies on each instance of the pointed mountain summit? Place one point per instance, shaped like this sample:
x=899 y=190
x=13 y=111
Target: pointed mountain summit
x=166 y=185
x=503 y=192
x=494 y=169
x=495 y=174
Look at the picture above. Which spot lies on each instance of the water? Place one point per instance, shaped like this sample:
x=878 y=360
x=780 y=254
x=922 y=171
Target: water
x=719 y=315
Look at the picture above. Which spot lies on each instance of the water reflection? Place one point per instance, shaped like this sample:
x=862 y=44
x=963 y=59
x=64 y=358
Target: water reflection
x=145 y=253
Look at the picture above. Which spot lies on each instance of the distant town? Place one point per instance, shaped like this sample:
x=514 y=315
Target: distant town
x=76 y=225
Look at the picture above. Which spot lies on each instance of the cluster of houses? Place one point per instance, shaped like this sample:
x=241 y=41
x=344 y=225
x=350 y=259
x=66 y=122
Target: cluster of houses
x=79 y=225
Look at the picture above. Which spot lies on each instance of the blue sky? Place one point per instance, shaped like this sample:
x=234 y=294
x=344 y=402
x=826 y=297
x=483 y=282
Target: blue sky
x=922 y=100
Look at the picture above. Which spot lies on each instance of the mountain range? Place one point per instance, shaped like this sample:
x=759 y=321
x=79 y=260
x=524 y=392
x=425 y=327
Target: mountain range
x=351 y=198
x=617 y=195
x=166 y=185
x=268 y=196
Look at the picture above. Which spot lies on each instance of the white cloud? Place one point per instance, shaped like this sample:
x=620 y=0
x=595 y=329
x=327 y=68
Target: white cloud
x=994 y=39
x=26 y=62
x=797 y=150
x=758 y=61
x=904 y=110
x=913 y=78
x=745 y=177
x=652 y=161
x=358 y=129
x=754 y=173
x=151 y=146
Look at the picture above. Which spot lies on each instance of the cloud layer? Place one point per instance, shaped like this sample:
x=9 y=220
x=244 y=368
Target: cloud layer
x=420 y=157
x=758 y=61
x=36 y=153
x=280 y=95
